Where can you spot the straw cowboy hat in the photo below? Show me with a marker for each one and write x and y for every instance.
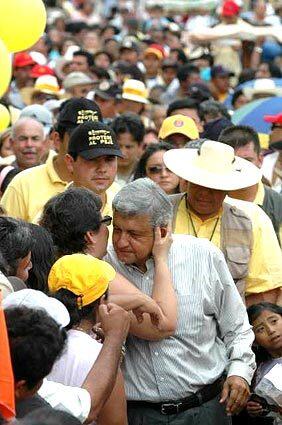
(214, 165)
(265, 86)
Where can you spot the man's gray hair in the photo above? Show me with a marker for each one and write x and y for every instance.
(24, 120)
(144, 197)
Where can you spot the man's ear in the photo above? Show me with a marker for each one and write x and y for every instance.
(260, 160)
(56, 140)
(21, 390)
(69, 162)
(163, 231)
(90, 237)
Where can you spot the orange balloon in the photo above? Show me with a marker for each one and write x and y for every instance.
(5, 67)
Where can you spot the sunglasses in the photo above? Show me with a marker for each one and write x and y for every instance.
(157, 169)
(107, 220)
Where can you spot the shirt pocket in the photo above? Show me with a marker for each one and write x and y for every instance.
(238, 258)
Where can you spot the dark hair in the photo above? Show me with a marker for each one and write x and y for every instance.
(36, 342)
(15, 242)
(181, 57)
(274, 70)
(133, 71)
(181, 104)
(69, 299)
(236, 95)
(103, 52)
(87, 55)
(9, 177)
(69, 215)
(247, 74)
(186, 70)
(49, 416)
(238, 136)
(253, 313)
(42, 258)
(129, 123)
(213, 108)
(100, 72)
(150, 150)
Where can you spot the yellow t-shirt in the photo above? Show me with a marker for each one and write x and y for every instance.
(265, 267)
(29, 191)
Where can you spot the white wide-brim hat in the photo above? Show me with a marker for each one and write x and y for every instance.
(39, 301)
(214, 165)
(263, 85)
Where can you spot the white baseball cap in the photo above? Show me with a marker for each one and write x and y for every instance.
(39, 301)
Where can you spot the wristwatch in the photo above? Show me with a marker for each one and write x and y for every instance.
(258, 49)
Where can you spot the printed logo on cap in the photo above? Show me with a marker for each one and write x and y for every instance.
(178, 123)
(86, 115)
(100, 137)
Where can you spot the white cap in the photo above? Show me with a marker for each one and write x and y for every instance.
(39, 301)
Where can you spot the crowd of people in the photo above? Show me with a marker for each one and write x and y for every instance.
(140, 219)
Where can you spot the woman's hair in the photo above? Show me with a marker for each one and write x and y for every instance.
(150, 150)
(253, 312)
(70, 301)
(42, 258)
(15, 242)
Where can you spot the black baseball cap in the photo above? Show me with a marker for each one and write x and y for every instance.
(93, 139)
(76, 111)
(221, 71)
(108, 90)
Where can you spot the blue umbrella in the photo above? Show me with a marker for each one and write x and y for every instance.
(252, 114)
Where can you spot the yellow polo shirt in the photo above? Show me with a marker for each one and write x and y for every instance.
(265, 267)
(260, 194)
(29, 191)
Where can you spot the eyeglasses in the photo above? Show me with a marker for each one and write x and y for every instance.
(107, 220)
(157, 169)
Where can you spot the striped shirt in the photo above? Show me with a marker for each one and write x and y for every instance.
(213, 332)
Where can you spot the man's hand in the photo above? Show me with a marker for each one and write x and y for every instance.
(114, 320)
(254, 408)
(162, 244)
(151, 307)
(235, 394)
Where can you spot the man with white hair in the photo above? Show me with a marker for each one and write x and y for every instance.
(28, 143)
(187, 377)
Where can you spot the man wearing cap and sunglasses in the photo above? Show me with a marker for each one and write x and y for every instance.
(238, 228)
(28, 193)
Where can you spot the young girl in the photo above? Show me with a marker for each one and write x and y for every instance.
(266, 319)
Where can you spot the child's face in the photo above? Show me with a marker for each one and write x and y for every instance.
(268, 332)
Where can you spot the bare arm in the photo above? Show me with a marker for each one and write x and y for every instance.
(114, 410)
(102, 377)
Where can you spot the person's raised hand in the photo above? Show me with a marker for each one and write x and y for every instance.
(162, 244)
(115, 321)
(235, 394)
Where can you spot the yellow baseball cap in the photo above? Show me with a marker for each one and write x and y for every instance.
(179, 124)
(84, 275)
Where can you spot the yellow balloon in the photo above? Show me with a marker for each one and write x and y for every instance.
(4, 117)
(5, 68)
(22, 22)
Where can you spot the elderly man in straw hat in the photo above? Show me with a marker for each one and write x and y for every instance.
(238, 228)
